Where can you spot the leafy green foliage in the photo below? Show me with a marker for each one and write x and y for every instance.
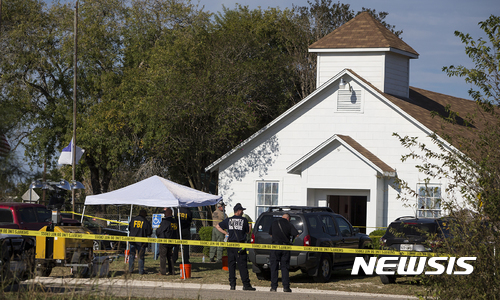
(375, 236)
(206, 235)
(486, 58)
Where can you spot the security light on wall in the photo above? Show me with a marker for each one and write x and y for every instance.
(342, 83)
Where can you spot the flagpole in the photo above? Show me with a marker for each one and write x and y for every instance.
(73, 145)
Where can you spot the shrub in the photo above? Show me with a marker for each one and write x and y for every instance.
(375, 236)
(206, 235)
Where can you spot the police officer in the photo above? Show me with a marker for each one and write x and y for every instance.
(186, 216)
(168, 230)
(237, 229)
(139, 227)
(281, 231)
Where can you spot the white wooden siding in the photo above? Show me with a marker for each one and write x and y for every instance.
(397, 75)
(268, 155)
(369, 65)
(389, 72)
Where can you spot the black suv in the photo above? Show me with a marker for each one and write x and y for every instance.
(318, 227)
(413, 234)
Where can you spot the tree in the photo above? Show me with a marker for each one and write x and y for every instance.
(37, 82)
(23, 25)
(472, 169)
(485, 55)
(212, 87)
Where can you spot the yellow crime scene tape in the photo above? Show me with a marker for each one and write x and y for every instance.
(94, 217)
(207, 220)
(84, 236)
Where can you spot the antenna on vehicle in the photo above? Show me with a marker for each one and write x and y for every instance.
(415, 212)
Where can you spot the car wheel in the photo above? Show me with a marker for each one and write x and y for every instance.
(83, 271)
(387, 279)
(324, 269)
(29, 260)
(4, 270)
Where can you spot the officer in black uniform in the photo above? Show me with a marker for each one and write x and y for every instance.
(168, 230)
(237, 228)
(139, 227)
(281, 231)
(186, 216)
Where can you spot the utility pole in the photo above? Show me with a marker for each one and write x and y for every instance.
(73, 145)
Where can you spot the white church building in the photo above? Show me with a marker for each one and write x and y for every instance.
(337, 147)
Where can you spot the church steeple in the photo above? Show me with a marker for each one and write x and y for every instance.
(370, 49)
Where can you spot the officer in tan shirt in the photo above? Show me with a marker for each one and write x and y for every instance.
(218, 215)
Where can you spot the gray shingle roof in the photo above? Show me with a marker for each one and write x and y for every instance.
(363, 31)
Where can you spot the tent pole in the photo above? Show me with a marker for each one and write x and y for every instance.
(180, 235)
(83, 213)
(129, 219)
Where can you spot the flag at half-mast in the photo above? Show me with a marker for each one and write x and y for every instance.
(66, 157)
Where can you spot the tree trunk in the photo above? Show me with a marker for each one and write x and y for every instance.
(98, 187)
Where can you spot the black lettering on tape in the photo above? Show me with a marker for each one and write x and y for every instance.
(210, 243)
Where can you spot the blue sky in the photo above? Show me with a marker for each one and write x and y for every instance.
(428, 27)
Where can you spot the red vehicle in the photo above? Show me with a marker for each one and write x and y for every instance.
(28, 216)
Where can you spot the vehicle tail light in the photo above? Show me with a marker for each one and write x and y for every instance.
(383, 242)
(252, 239)
(435, 244)
(307, 240)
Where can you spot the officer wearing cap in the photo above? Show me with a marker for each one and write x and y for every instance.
(139, 227)
(237, 229)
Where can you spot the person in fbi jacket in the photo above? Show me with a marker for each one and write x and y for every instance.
(168, 230)
(186, 216)
(139, 227)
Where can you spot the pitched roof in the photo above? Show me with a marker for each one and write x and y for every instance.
(363, 31)
(353, 146)
(386, 170)
(430, 107)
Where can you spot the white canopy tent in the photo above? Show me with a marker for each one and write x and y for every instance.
(154, 191)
